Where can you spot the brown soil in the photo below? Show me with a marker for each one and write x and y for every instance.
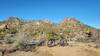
(78, 50)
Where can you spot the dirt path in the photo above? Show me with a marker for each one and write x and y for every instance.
(80, 50)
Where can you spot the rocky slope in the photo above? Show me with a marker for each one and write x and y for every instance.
(20, 35)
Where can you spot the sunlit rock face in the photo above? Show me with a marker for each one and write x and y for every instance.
(2, 26)
(67, 19)
(71, 22)
(13, 22)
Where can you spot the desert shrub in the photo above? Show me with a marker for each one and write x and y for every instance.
(4, 32)
(24, 41)
(9, 38)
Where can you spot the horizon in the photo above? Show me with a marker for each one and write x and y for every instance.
(87, 11)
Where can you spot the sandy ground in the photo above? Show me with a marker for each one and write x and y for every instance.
(78, 50)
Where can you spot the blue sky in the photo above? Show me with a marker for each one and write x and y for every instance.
(87, 11)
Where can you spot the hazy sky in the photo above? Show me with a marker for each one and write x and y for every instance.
(87, 11)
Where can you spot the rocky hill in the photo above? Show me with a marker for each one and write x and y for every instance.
(18, 34)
